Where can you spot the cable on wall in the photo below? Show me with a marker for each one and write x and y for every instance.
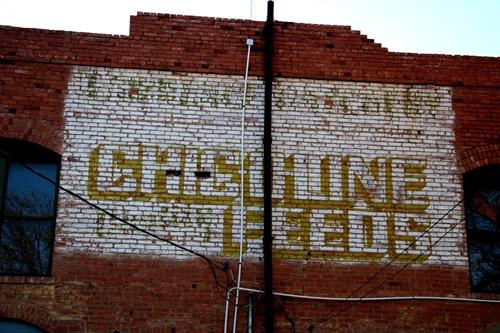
(406, 249)
(225, 266)
(353, 301)
(249, 44)
(212, 264)
(326, 317)
(372, 299)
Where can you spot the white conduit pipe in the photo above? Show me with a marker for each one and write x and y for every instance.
(375, 299)
(226, 313)
(242, 177)
(368, 299)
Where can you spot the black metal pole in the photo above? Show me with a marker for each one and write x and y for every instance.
(268, 172)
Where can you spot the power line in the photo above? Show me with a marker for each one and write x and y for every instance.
(212, 264)
(406, 249)
(225, 266)
(355, 301)
(408, 263)
(327, 316)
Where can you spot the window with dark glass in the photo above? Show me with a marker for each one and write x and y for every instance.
(482, 209)
(27, 208)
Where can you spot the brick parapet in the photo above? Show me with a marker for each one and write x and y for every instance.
(214, 45)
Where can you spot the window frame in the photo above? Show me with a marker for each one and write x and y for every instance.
(41, 155)
(472, 183)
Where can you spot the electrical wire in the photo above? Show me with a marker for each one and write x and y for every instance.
(325, 318)
(372, 299)
(355, 301)
(363, 298)
(224, 267)
(406, 249)
(366, 299)
(212, 264)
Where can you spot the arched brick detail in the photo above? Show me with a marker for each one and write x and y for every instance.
(28, 313)
(34, 131)
(43, 318)
(479, 156)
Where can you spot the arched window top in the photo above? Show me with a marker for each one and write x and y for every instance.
(18, 326)
(484, 176)
(24, 151)
(482, 208)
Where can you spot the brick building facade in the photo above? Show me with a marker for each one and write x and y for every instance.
(370, 149)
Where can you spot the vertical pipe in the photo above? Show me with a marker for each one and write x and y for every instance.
(242, 184)
(268, 173)
(250, 313)
(226, 312)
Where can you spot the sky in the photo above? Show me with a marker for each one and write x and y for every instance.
(464, 27)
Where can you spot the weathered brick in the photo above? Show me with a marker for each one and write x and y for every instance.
(369, 149)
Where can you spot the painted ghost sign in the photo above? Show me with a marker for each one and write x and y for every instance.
(360, 170)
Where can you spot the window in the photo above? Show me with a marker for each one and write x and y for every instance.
(482, 209)
(27, 208)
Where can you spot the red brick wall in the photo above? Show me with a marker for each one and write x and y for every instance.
(138, 294)
(127, 294)
(32, 97)
(477, 125)
(207, 45)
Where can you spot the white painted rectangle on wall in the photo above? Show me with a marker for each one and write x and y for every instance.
(361, 170)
